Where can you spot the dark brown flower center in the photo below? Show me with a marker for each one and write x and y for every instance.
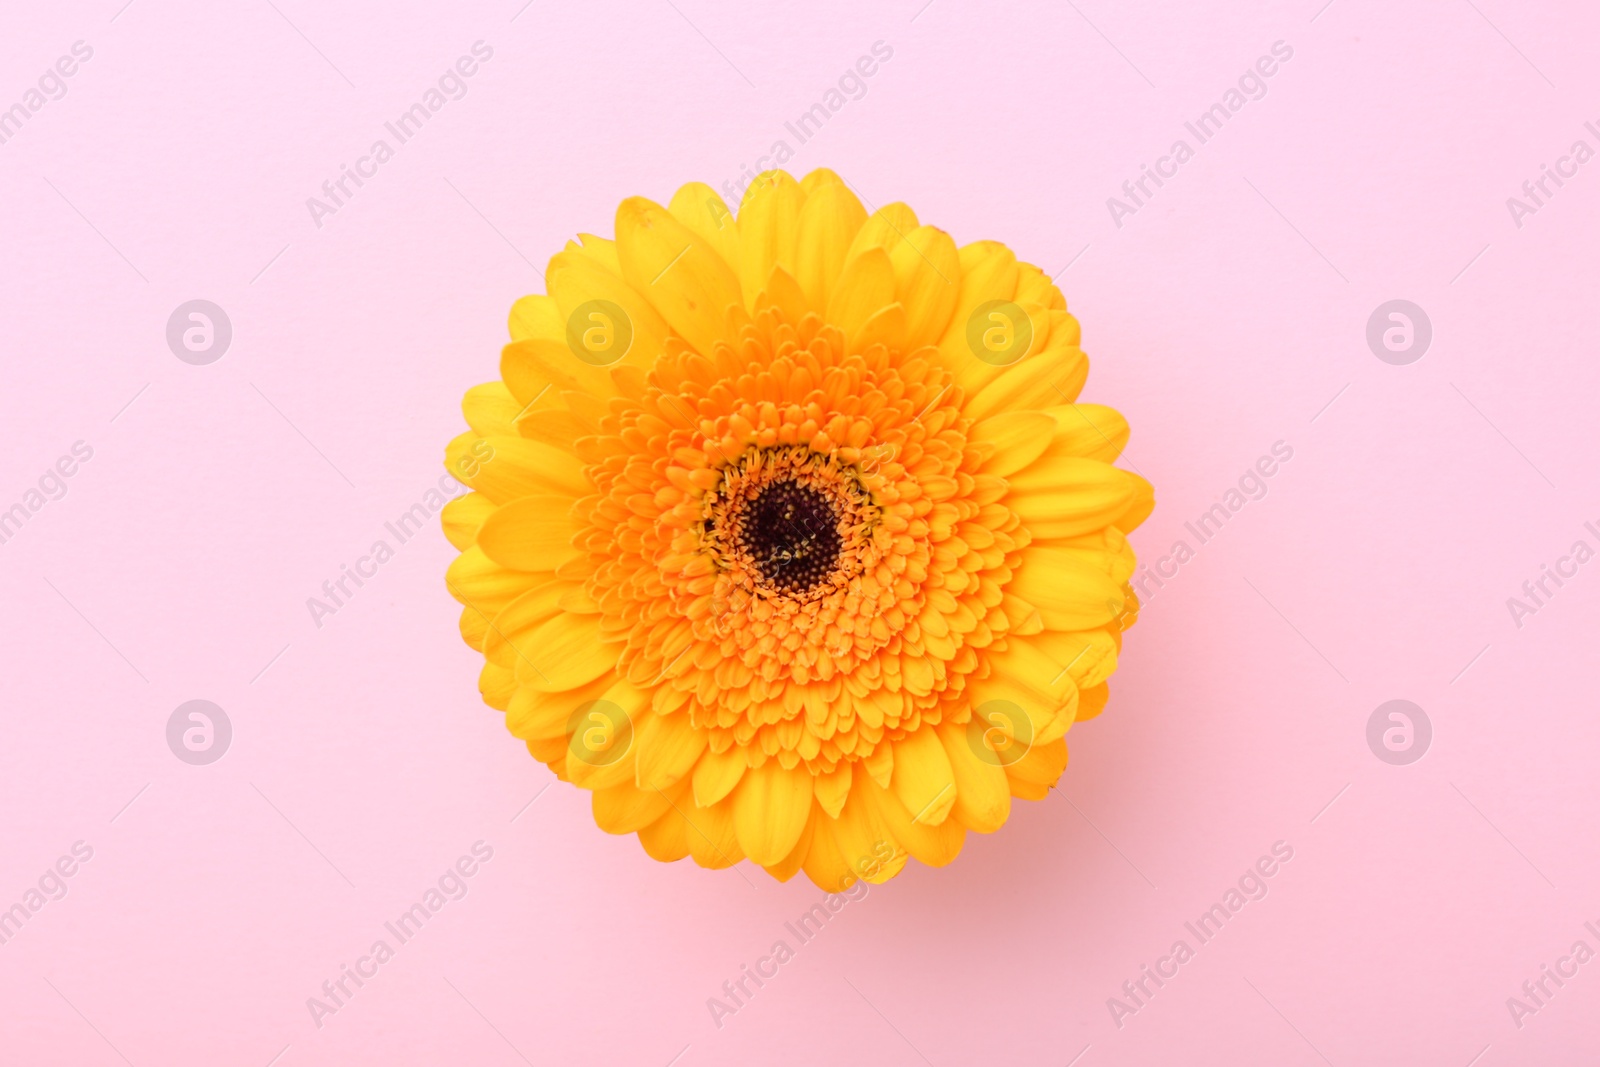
(787, 526)
(790, 532)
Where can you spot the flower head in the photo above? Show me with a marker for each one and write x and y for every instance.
(787, 537)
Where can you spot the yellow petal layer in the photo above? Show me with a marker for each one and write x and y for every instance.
(829, 222)
(983, 800)
(922, 778)
(770, 810)
(533, 533)
(678, 271)
(565, 653)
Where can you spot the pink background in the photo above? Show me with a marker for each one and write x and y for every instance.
(1222, 317)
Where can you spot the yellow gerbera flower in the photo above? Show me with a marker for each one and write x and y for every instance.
(787, 538)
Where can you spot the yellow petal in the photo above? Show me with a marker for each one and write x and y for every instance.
(927, 274)
(536, 316)
(1026, 699)
(536, 716)
(603, 747)
(1032, 776)
(1043, 665)
(462, 516)
(555, 426)
(933, 845)
(1139, 509)
(825, 863)
(988, 273)
(999, 336)
(505, 468)
(1018, 437)
(852, 848)
(880, 765)
(922, 777)
(884, 228)
(1092, 431)
(865, 288)
(1023, 616)
(819, 178)
(787, 867)
(576, 599)
(552, 753)
(1123, 560)
(681, 274)
(583, 289)
(474, 627)
(1052, 377)
(832, 789)
(464, 455)
(667, 839)
(512, 628)
(1089, 657)
(770, 810)
(1107, 550)
(698, 207)
(1068, 496)
(497, 685)
(490, 409)
(783, 293)
(479, 582)
(1069, 593)
(712, 840)
(1091, 702)
(716, 774)
(588, 409)
(566, 652)
(538, 370)
(669, 748)
(626, 809)
(887, 327)
(1035, 287)
(829, 222)
(600, 250)
(769, 228)
(533, 533)
(598, 776)
(865, 839)
(983, 799)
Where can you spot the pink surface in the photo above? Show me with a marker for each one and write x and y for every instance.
(1227, 313)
